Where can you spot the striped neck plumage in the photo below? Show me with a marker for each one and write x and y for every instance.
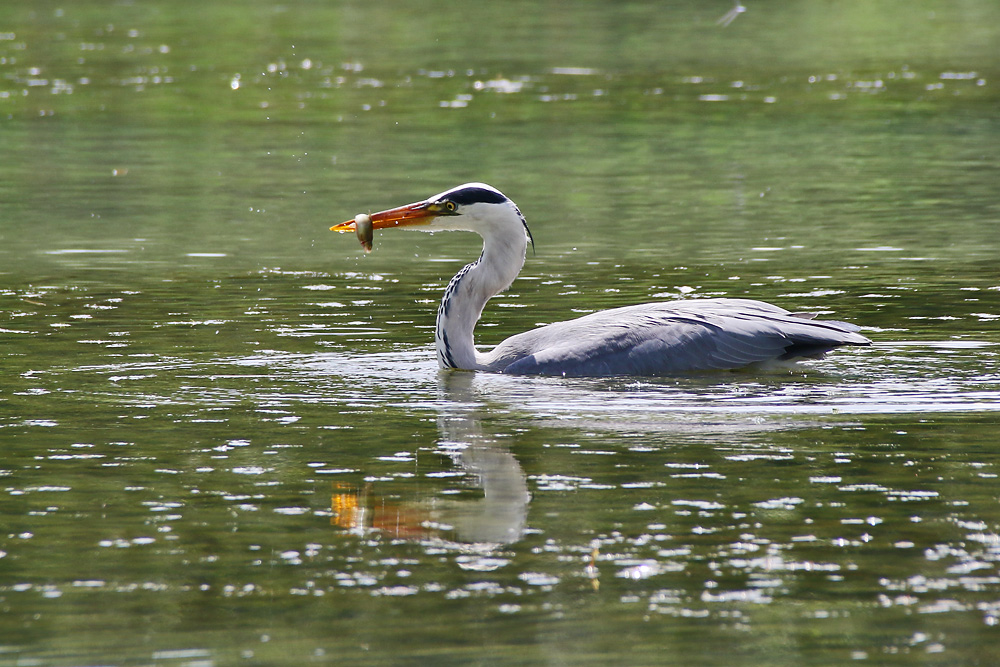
(450, 336)
(468, 292)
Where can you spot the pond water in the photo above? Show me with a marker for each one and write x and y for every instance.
(225, 437)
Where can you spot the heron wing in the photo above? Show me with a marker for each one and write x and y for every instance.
(674, 337)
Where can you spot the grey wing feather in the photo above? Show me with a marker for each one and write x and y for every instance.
(676, 337)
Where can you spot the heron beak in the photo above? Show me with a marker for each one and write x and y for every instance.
(420, 213)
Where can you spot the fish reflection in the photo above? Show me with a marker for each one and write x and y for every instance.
(499, 517)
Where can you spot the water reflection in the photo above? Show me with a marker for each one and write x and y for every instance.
(497, 518)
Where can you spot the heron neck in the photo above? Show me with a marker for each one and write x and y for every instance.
(466, 296)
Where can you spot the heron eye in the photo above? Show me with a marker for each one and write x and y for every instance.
(451, 206)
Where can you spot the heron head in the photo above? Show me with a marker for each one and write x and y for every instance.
(473, 207)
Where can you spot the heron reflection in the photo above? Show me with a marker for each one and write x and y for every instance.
(498, 517)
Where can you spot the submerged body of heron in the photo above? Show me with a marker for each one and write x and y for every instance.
(649, 339)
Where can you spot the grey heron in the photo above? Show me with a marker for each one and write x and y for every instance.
(648, 339)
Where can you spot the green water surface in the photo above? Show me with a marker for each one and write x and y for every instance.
(223, 435)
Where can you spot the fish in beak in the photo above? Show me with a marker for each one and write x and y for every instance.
(419, 213)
